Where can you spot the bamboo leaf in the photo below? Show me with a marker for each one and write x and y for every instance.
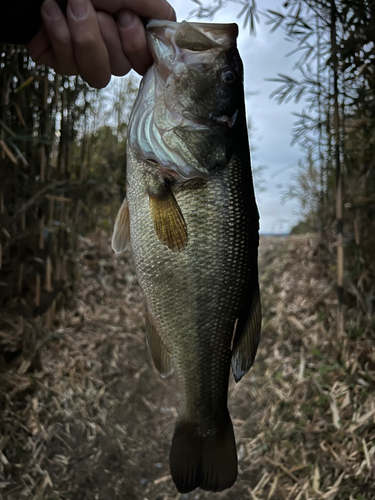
(25, 84)
(8, 152)
(19, 154)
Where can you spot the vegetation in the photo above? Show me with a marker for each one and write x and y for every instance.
(62, 151)
(335, 183)
(337, 49)
(82, 415)
(94, 419)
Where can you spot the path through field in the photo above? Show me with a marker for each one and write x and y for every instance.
(100, 421)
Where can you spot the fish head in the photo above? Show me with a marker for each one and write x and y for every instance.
(186, 114)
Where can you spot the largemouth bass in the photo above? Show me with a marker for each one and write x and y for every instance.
(194, 228)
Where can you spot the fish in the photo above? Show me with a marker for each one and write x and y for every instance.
(192, 220)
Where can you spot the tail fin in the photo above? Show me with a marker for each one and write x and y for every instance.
(203, 459)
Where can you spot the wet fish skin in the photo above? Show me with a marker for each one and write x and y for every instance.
(194, 236)
(181, 120)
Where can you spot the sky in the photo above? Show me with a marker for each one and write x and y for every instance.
(264, 55)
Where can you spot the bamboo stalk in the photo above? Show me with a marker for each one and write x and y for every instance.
(8, 152)
(37, 290)
(51, 210)
(54, 146)
(19, 114)
(62, 216)
(49, 274)
(20, 278)
(69, 162)
(339, 180)
(77, 215)
(320, 136)
(45, 92)
(64, 268)
(42, 163)
(356, 228)
(41, 233)
(51, 310)
(51, 315)
(63, 136)
(5, 232)
(23, 221)
(57, 269)
(1, 212)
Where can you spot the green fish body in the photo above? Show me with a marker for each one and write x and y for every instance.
(194, 236)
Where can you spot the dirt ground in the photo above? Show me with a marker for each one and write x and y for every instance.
(89, 418)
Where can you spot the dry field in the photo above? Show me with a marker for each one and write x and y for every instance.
(84, 415)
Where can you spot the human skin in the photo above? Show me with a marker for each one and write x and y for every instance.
(96, 38)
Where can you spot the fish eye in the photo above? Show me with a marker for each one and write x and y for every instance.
(228, 77)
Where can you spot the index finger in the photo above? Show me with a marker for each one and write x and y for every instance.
(149, 9)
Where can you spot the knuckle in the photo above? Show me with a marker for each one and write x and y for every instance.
(84, 39)
(134, 44)
(64, 39)
(103, 17)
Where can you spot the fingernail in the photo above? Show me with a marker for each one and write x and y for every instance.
(51, 9)
(79, 8)
(125, 18)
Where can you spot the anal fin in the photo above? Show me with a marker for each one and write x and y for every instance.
(169, 223)
(121, 231)
(246, 338)
(159, 353)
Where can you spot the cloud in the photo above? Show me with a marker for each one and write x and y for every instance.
(264, 56)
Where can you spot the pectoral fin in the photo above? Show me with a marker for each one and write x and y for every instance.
(169, 223)
(121, 232)
(246, 339)
(160, 354)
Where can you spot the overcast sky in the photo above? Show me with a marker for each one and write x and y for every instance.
(264, 55)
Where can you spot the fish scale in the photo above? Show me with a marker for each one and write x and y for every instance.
(194, 237)
(210, 277)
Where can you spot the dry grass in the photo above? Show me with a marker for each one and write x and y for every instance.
(85, 416)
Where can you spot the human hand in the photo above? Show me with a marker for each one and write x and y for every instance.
(97, 38)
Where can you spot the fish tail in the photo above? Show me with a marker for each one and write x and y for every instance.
(205, 459)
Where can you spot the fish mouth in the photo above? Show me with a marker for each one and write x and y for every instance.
(172, 43)
(195, 37)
